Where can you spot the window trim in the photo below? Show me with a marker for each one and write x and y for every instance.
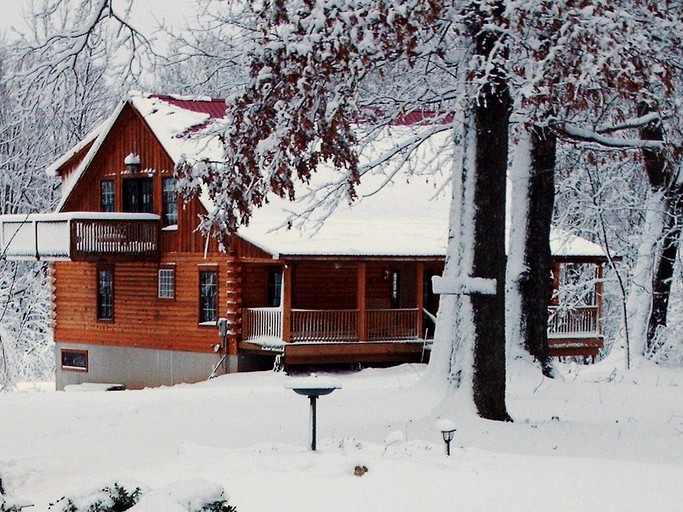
(102, 268)
(166, 268)
(72, 368)
(207, 270)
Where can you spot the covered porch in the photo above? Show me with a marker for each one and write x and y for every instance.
(339, 311)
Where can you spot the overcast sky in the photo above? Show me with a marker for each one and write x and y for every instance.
(172, 12)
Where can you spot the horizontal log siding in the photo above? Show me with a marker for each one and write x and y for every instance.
(140, 318)
(255, 281)
(321, 286)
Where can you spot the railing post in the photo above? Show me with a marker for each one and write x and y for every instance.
(287, 276)
(419, 290)
(361, 303)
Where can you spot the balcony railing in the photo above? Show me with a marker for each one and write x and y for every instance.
(80, 236)
(110, 237)
(571, 322)
(340, 325)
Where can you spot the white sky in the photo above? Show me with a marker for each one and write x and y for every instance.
(145, 12)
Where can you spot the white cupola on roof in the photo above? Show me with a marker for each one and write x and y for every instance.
(132, 163)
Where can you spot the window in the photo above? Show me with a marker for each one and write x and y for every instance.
(169, 205)
(208, 296)
(137, 195)
(107, 196)
(75, 360)
(105, 293)
(274, 288)
(166, 283)
(395, 289)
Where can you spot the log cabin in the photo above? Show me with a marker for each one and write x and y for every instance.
(143, 298)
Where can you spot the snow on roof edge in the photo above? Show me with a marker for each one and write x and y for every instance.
(51, 170)
(103, 131)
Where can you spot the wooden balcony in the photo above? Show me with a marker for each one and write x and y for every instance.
(81, 236)
(574, 332)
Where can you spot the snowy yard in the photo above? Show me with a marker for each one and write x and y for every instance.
(588, 443)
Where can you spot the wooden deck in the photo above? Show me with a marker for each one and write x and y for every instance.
(81, 236)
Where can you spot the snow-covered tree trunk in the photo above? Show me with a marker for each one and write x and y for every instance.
(529, 256)
(648, 302)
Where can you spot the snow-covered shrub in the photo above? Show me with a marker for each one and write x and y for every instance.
(116, 497)
(195, 495)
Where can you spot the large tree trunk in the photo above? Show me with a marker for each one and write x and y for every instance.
(664, 265)
(491, 122)
(662, 180)
(535, 287)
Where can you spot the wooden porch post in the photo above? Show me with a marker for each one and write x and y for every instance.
(360, 302)
(598, 294)
(419, 290)
(287, 303)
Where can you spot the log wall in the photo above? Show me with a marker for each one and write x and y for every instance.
(141, 319)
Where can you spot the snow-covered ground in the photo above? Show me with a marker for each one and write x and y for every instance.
(587, 443)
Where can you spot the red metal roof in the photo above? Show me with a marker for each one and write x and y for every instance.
(214, 107)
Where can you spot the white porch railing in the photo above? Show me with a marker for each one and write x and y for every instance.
(262, 323)
(339, 325)
(570, 322)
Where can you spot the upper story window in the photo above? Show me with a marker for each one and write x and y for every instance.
(138, 195)
(105, 293)
(107, 196)
(208, 296)
(169, 197)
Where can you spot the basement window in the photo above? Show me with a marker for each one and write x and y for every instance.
(75, 360)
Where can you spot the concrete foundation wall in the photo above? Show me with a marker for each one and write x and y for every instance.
(138, 368)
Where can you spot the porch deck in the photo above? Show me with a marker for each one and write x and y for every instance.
(388, 335)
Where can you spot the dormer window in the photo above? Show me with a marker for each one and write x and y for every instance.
(138, 195)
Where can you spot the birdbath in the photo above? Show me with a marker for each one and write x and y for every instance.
(313, 387)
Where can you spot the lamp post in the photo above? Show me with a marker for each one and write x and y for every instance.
(447, 428)
(313, 387)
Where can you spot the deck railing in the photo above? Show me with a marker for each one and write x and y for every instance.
(566, 322)
(387, 324)
(262, 323)
(324, 325)
(392, 324)
(115, 237)
(338, 325)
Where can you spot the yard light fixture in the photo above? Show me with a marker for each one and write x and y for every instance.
(447, 428)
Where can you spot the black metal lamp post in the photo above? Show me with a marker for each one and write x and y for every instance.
(447, 428)
(312, 387)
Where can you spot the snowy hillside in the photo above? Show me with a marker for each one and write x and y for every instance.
(589, 443)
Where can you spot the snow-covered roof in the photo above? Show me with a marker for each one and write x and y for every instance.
(392, 216)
